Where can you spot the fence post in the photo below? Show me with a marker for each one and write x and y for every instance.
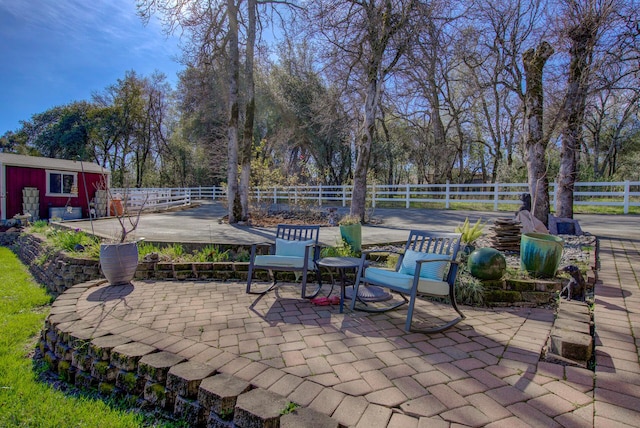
(407, 196)
(373, 195)
(446, 195)
(496, 196)
(627, 191)
(275, 195)
(344, 195)
(320, 195)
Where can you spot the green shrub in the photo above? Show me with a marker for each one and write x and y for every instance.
(39, 226)
(211, 253)
(343, 249)
(469, 289)
(68, 240)
(242, 256)
(173, 252)
(145, 248)
(470, 233)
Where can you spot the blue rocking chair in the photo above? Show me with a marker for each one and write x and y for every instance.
(428, 267)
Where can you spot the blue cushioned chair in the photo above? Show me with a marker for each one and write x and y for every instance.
(296, 249)
(428, 266)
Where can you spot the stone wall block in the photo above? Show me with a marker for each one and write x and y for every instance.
(189, 410)
(130, 382)
(155, 367)
(156, 394)
(103, 371)
(101, 347)
(184, 379)
(81, 360)
(305, 417)
(126, 357)
(259, 408)
(219, 393)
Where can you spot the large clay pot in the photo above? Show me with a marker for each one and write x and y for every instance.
(119, 262)
(352, 234)
(540, 254)
(487, 263)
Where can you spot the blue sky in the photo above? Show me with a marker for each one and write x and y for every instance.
(53, 52)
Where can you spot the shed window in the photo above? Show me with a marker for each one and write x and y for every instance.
(61, 183)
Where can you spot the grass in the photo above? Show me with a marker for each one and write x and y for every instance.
(24, 400)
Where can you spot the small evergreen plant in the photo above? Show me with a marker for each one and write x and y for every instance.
(470, 233)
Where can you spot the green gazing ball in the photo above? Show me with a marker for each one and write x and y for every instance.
(487, 263)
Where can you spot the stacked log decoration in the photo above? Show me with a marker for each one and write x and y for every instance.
(506, 235)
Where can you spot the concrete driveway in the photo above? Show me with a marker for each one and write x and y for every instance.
(201, 225)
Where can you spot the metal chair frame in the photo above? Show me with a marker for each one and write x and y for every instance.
(290, 233)
(444, 243)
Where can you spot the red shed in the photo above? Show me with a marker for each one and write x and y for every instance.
(43, 185)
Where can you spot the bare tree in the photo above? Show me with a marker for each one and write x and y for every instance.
(428, 70)
(213, 28)
(367, 38)
(534, 61)
(501, 30)
(584, 22)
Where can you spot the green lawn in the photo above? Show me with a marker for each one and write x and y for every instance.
(24, 400)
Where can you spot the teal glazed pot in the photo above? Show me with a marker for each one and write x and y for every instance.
(486, 263)
(540, 254)
(352, 234)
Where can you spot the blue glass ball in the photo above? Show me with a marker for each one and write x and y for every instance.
(487, 263)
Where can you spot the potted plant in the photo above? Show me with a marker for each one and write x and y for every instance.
(470, 234)
(119, 259)
(351, 231)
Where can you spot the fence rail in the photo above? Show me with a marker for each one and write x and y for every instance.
(149, 199)
(623, 194)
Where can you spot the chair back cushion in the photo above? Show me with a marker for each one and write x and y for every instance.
(432, 270)
(292, 248)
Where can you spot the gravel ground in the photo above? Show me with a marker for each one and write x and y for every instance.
(577, 250)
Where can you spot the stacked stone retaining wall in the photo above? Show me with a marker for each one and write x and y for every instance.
(58, 271)
(201, 394)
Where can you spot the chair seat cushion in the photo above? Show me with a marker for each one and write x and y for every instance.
(282, 261)
(431, 270)
(403, 282)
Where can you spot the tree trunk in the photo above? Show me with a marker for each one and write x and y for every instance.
(247, 135)
(583, 37)
(359, 196)
(232, 127)
(536, 143)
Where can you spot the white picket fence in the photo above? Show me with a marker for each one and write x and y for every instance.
(498, 196)
(149, 199)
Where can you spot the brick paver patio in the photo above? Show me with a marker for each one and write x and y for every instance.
(365, 371)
